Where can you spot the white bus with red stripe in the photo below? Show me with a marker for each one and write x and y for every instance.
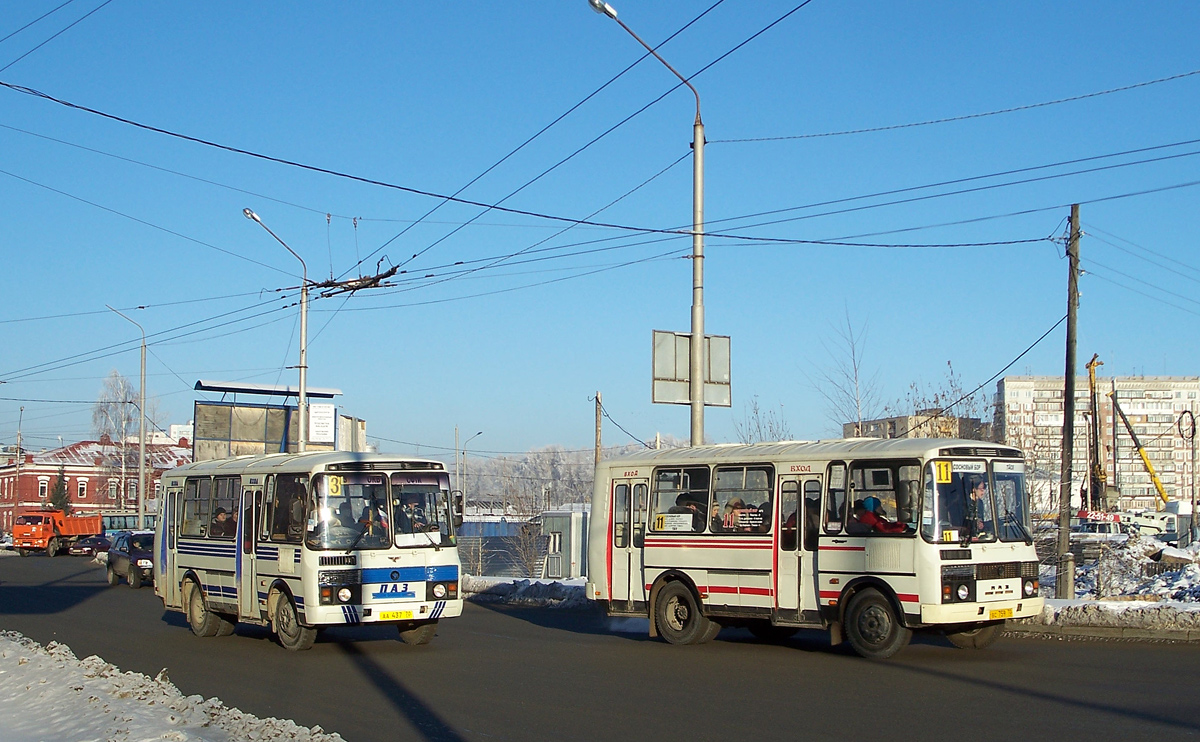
(774, 537)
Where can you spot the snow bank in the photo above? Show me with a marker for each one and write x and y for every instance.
(48, 695)
(540, 593)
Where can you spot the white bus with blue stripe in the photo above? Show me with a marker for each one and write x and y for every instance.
(301, 542)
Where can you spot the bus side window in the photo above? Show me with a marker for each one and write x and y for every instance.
(835, 499)
(812, 513)
(620, 516)
(287, 520)
(789, 515)
(196, 507)
(639, 514)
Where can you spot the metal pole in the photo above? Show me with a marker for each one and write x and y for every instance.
(696, 357)
(302, 404)
(141, 488)
(1195, 530)
(599, 408)
(1065, 577)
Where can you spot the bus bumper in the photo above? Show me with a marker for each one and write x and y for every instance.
(327, 615)
(960, 613)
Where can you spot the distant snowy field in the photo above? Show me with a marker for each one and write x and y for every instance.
(46, 694)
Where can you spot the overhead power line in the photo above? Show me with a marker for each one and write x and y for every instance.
(964, 117)
(56, 35)
(35, 20)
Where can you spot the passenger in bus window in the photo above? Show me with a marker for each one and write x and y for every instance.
(220, 524)
(873, 515)
(687, 504)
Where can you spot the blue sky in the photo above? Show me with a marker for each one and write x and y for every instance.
(428, 96)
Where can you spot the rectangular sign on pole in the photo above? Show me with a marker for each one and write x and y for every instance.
(671, 365)
(321, 423)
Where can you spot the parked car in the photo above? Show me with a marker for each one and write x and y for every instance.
(6, 541)
(1102, 532)
(131, 556)
(90, 546)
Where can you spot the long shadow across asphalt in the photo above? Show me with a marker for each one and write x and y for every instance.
(20, 595)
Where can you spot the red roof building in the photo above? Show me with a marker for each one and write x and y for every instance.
(94, 474)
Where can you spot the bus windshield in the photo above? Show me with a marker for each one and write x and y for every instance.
(958, 504)
(349, 511)
(421, 508)
(1012, 506)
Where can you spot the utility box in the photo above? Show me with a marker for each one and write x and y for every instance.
(566, 534)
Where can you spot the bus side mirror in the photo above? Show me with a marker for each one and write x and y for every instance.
(458, 509)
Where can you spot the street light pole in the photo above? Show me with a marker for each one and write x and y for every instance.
(302, 404)
(464, 463)
(141, 490)
(696, 358)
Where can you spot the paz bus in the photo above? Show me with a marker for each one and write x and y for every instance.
(774, 537)
(300, 542)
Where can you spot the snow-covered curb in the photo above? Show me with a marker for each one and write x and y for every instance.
(1128, 619)
(540, 593)
(48, 694)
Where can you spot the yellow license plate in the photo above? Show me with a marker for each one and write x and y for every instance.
(1000, 613)
(407, 615)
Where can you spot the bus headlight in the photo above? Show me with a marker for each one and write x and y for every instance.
(1030, 588)
(439, 591)
(344, 595)
(964, 592)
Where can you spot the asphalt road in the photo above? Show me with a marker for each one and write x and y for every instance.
(529, 674)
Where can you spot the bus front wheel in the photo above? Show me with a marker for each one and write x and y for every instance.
(678, 617)
(975, 637)
(872, 626)
(422, 633)
(291, 634)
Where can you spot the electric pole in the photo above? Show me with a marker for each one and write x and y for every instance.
(1064, 584)
(599, 408)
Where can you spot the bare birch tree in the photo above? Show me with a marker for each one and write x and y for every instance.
(760, 425)
(851, 393)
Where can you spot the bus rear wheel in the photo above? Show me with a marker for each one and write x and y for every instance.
(872, 626)
(678, 617)
(291, 634)
(417, 634)
(204, 622)
(975, 637)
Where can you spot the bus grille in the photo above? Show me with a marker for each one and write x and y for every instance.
(348, 560)
(1001, 571)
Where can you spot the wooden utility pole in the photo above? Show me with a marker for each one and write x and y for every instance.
(599, 412)
(1065, 577)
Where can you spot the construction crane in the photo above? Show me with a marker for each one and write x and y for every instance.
(1098, 480)
(1158, 485)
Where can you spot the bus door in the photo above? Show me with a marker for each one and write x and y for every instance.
(250, 507)
(796, 565)
(629, 501)
(167, 582)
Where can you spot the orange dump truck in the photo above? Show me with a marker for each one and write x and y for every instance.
(51, 531)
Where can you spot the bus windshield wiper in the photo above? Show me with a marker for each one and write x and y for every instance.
(359, 537)
(1012, 520)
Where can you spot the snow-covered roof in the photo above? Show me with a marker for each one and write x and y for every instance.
(89, 453)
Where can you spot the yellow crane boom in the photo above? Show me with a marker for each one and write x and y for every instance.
(1158, 485)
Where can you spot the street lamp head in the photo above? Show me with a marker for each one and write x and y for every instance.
(251, 215)
(603, 8)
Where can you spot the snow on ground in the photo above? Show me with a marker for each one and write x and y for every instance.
(48, 694)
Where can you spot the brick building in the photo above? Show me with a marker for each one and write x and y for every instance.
(94, 475)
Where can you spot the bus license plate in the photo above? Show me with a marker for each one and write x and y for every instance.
(407, 615)
(1000, 613)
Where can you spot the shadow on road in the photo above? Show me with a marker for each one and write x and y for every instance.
(1078, 704)
(423, 718)
(52, 596)
(578, 621)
